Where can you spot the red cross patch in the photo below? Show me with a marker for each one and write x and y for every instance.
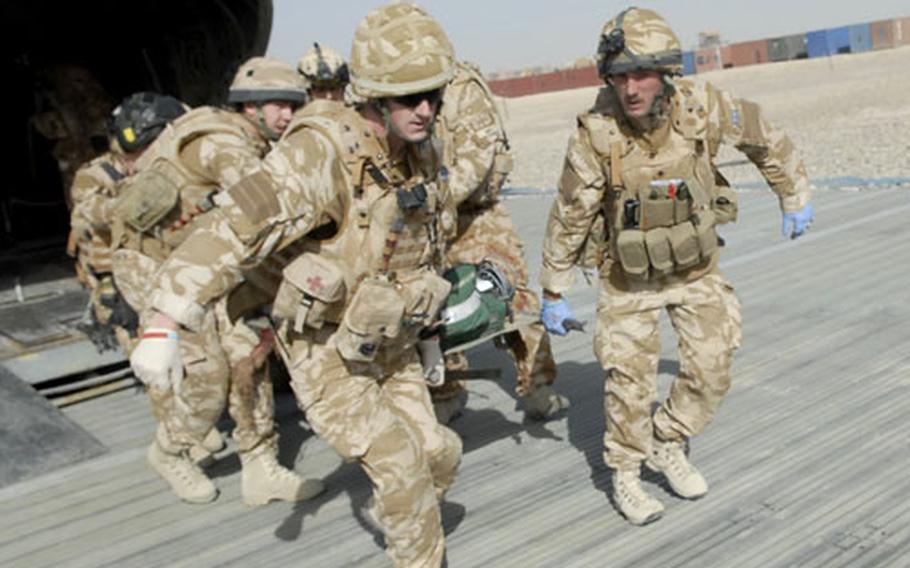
(314, 284)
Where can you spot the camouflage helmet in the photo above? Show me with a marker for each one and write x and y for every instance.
(261, 79)
(398, 50)
(141, 117)
(638, 40)
(323, 68)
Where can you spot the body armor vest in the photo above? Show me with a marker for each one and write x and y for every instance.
(377, 275)
(157, 207)
(663, 199)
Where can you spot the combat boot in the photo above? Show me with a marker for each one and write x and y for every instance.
(635, 504)
(670, 459)
(544, 403)
(203, 453)
(263, 479)
(185, 477)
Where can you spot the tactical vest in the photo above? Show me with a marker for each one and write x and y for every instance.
(487, 193)
(377, 275)
(156, 209)
(95, 252)
(662, 202)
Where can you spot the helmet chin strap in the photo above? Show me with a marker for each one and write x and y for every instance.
(266, 132)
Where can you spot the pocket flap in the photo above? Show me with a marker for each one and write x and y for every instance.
(317, 277)
(376, 308)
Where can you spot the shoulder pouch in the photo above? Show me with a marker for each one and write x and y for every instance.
(146, 200)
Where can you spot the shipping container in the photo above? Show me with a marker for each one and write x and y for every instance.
(561, 80)
(787, 48)
(902, 31)
(882, 34)
(859, 38)
(822, 43)
(712, 58)
(688, 63)
(748, 53)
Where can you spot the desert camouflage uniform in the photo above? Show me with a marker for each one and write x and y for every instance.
(94, 191)
(329, 167)
(476, 154)
(702, 306)
(203, 151)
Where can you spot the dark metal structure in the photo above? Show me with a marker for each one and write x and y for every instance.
(66, 64)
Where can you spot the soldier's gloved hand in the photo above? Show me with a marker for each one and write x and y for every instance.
(798, 222)
(156, 359)
(554, 314)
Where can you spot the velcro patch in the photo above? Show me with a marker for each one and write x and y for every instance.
(256, 197)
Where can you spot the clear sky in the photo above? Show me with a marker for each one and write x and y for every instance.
(506, 35)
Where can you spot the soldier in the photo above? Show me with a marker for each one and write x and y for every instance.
(135, 123)
(199, 154)
(354, 312)
(326, 72)
(643, 159)
(476, 154)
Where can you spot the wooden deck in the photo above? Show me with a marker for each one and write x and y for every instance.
(807, 460)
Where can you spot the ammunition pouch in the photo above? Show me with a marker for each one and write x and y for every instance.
(147, 199)
(665, 229)
(311, 292)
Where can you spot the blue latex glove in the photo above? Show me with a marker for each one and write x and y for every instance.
(554, 314)
(797, 223)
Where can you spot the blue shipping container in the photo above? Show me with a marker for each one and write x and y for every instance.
(839, 40)
(688, 63)
(817, 43)
(860, 38)
(822, 43)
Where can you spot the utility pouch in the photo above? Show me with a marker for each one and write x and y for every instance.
(725, 204)
(657, 241)
(423, 294)
(312, 292)
(657, 212)
(684, 245)
(146, 200)
(704, 229)
(373, 316)
(633, 254)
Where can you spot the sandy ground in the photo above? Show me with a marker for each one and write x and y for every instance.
(848, 115)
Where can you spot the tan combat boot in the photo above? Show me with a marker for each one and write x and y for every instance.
(633, 502)
(263, 479)
(203, 454)
(670, 459)
(185, 477)
(543, 403)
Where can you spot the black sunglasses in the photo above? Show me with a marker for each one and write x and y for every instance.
(415, 99)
